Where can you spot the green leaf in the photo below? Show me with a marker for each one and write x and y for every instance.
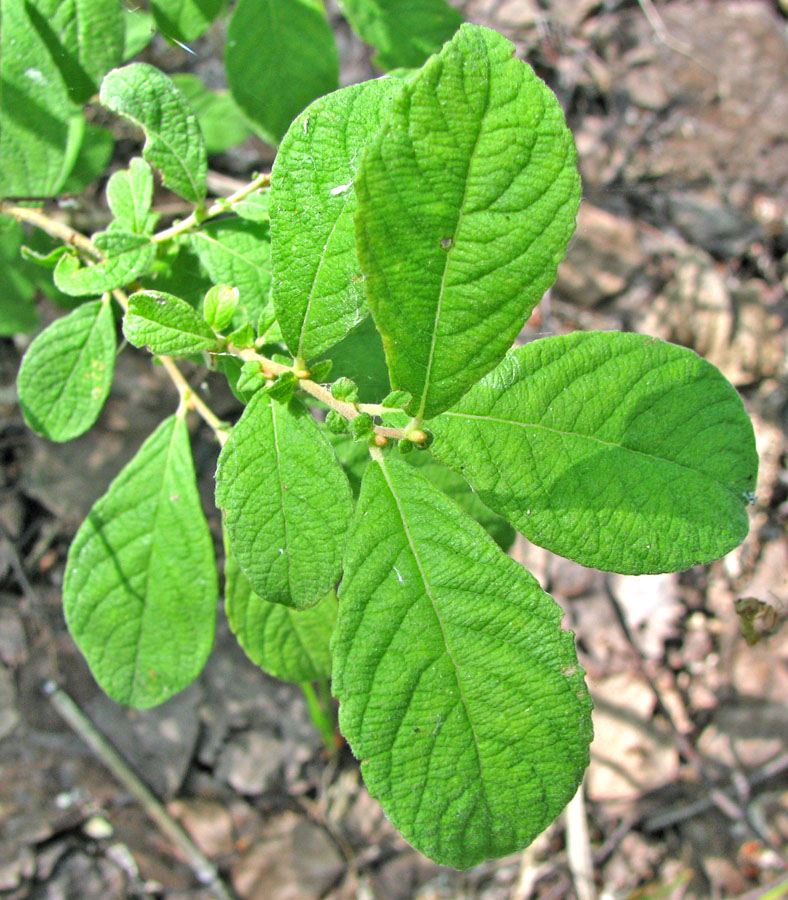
(17, 313)
(130, 195)
(359, 356)
(286, 643)
(126, 257)
(286, 502)
(39, 134)
(84, 37)
(95, 153)
(318, 289)
(140, 589)
(222, 123)
(616, 450)
(405, 32)
(280, 55)
(458, 689)
(466, 201)
(237, 252)
(167, 325)
(173, 140)
(254, 206)
(139, 29)
(185, 20)
(66, 373)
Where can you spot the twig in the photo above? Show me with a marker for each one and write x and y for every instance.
(578, 848)
(204, 870)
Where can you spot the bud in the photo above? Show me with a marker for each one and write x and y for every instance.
(220, 305)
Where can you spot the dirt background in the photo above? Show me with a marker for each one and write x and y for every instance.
(680, 114)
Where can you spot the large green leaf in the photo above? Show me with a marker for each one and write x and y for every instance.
(185, 20)
(318, 290)
(84, 37)
(286, 502)
(66, 373)
(458, 689)
(287, 643)
(126, 257)
(40, 132)
(405, 32)
(140, 589)
(616, 450)
(237, 252)
(466, 201)
(166, 325)
(221, 122)
(280, 55)
(173, 140)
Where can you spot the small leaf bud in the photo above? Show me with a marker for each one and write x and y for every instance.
(251, 378)
(335, 423)
(242, 337)
(417, 436)
(344, 389)
(320, 370)
(405, 446)
(361, 427)
(380, 440)
(219, 306)
(283, 388)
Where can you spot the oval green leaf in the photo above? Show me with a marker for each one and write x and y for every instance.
(167, 325)
(458, 689)
(466, 201)
(280, 56)
(286, 502)
(616, 450)
(318, 289)
(66, 373)
(140, 589)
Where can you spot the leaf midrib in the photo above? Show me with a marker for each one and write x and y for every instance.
(429, 594)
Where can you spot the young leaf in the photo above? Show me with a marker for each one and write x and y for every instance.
(238, 253)
(140, 589)
(85, 39)
(405, 32)
(616, 450)
(126, 257)
(458, 689)
(173, 140)
(66, 373)
(185, 20)
(221, 122)
(130, 195)
(466, 201)
(167, 325)
(39, 135)
(280, 56)
(286, 502)
(317, 287)
(286, 643)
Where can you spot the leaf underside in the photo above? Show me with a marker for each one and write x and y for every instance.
(619, 451)
(458, 689)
